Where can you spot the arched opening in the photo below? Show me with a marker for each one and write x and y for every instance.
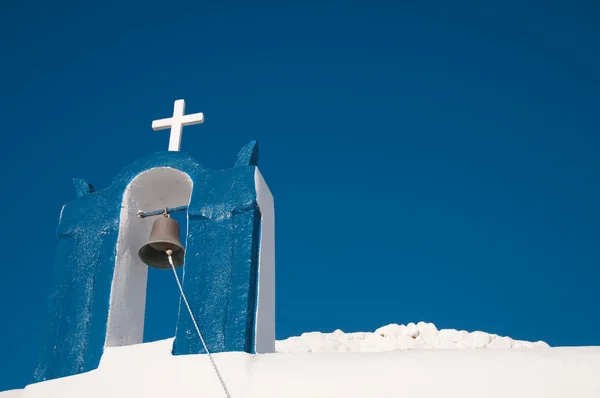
(152, 189)
(162, 295)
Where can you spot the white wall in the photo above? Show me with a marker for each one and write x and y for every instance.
(150, 371)
(265, 318)
(153, 189)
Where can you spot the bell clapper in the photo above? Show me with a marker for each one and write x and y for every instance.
(169, 254)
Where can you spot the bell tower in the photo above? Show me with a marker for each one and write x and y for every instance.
(108, 238)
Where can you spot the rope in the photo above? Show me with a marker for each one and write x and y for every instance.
(212, 361)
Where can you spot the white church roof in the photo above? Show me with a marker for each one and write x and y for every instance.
(403, 361)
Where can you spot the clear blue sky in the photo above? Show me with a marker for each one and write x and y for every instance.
(429, 161)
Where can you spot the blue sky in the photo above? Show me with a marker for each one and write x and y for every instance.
(429, 161)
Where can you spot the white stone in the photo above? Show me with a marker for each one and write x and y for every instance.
(429, 333)
(356, 336)
(406, 342)
(337, 333)
(411, 330)
(312, 336)
(176, 123)
(293, 345)
(500, 342)
(393, 330)
(482, 339)
(446, 344)
(375, 342)
(419, 343)
(378, 343)
(477, 340)
(540, 344)
(463, 344)
(450, 334)
(326, 345)
(353, 345)
(522, 344)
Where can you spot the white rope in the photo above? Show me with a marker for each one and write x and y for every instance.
(212, 361)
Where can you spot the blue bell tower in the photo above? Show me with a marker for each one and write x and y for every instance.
(99, 285)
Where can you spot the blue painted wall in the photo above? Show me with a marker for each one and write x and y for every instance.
(220, 271)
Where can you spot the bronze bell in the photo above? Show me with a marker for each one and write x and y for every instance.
(164, 236)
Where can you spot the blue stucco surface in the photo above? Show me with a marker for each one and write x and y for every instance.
(220, 270)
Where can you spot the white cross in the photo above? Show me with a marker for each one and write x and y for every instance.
(176, 124)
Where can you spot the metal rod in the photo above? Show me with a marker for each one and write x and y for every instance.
(144, 214)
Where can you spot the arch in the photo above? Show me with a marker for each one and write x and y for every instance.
(152, 189)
